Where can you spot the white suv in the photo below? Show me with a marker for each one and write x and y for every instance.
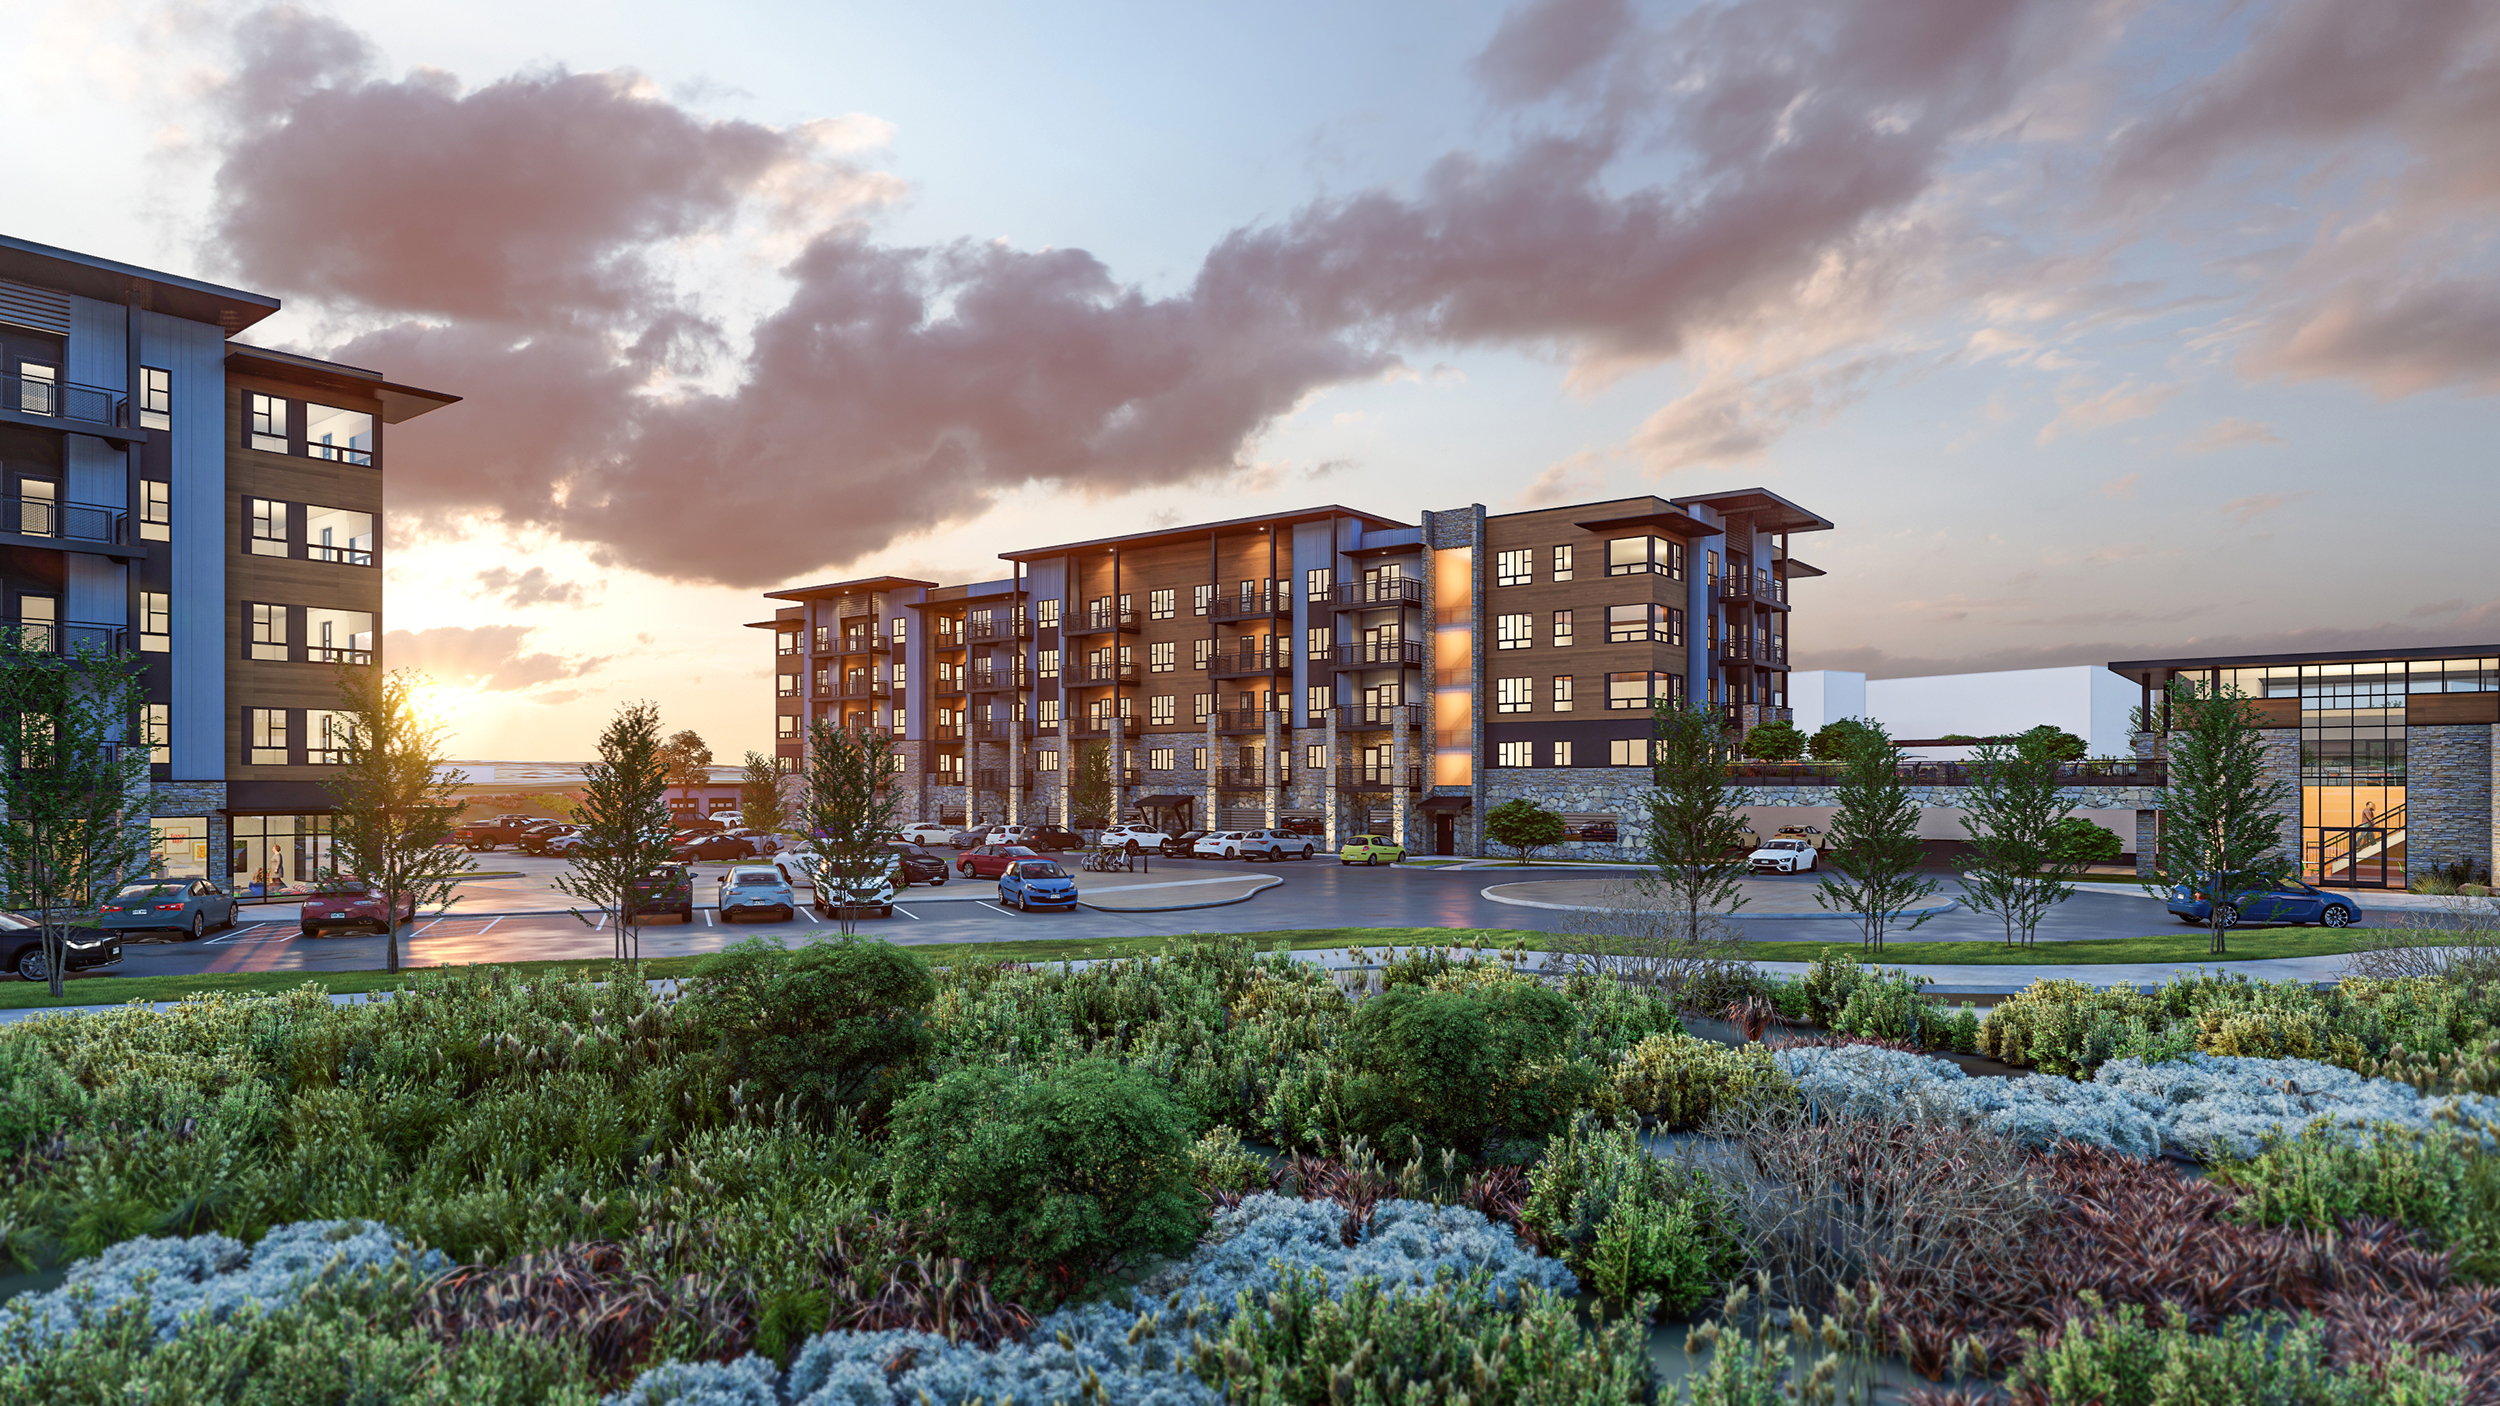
(1276, 845)
(1133, 837)
(927, 832)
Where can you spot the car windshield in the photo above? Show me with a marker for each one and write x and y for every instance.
(754, 878)
(1013, 849)
(1785, 844)
(149, 891)
(1041, 869)
(342, 886)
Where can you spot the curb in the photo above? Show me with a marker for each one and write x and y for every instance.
(1264, 885)
(1490, 896)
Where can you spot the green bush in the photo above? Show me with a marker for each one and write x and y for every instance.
(1877, 1003)
(1839, 739)
(1523, 827)
(1775, 741)
(1632, 1226)
(1463, 1069)
(1304, 1346)
(2079, 841)
(1218, 1163)
(1050, 1180)
(2441, 1182)
(1679, 1081)
(830, 1025)
(2259, 1359)
(2064, 1026)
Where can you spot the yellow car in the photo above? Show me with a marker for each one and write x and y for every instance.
(1371, 849)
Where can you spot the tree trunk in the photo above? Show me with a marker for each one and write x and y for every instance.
(390, 936)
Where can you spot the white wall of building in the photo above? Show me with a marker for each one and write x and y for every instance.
(1820, 696)
(2084, 699)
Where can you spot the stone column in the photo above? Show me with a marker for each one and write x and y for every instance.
(2283, 765)
(1015, 763)
(1328, 779)
(1215, 760)
(1275, 768)
(1397, 774)
(2448, 795)
(1119, 760)
(2147, 842)
(1067, 754)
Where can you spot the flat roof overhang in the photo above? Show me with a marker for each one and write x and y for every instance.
(1167, 536)
(1770, 512)
(110, 281)
(1798, 569)
(788, 626)
(1680, 524)
(399, 403)
(868, 585)
(2144, 670)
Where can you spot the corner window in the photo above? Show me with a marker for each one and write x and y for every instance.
(1645, 556)
(1516, 567)
(785, 728)
(343, 435)
(346, 637)
(339, 535)
(325, 737)
(1638, 690)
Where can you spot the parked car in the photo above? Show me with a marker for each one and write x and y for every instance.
(1050, 838)
(1807, 833)
(484, 835)
(990, 861)
(758, 842)
(21, 948)
(668, 889)
(1134, 836)
(871, 892)
(1276, 845)
(1218, 844)
(559, 845)
(1786, 855)
(1371, 849)
(926, 832)
(968, 839)
(188, 905)
(751, 889)
(349, 903)
(1006, 834)
(2290, 901)
(1303, 825)
(700, 824)
(539, 840)
(919, 866)
(1184, 844)
(1036, 883)
(719, 845)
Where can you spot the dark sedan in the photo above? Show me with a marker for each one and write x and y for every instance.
(713, 846)
(919, 866)
(1050, 838)
(2290, 901)
(21, 948)
(991, 861)
(1182, 845)
(966, 839)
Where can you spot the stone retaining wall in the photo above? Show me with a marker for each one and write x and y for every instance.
(2448, 795)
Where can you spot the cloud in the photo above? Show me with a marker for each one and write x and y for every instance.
(2122, 486)
(1582, 476)
(2398, 340)
(2229, 434)
(1724, 421)
(2120, 403)
(491, 657)
(532, 587)
(2257, 505)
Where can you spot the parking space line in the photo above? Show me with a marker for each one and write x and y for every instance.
(907, 912)
(985, 903)
(707, 916)
(490, 927)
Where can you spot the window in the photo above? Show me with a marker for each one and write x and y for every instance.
(1645, 556)
(901, 631)
(1713, 560)
(1562, 628)
(1128, 707)
(267, 731)
(1318, 582)
(824, 680)
(1317, 700)
(1514, 754)
(1046, 663)
(1199, 598)
(1046, 760)
(1639, 624)
(1201, 706)
(344, 435)
(1562, 563)
(787, 685)
(1125, 606)
(1562, 693)
(1047, 710)
(325, 737)
(1128, 658)
(1200, 650)
(1161, 758)
(1562, 750)
(343, 636)
(1045, 616)
(158, 719)
(268, 632)
(35, 393)
(1637, 690)
(1514, 695)
(156, 398)
(1516, 567)
(1159, 604)
(1163, 709)
(902, 675)
(345, 537)
(1319, 642)
(786, 728)
(1628, 751)
(268, 527)
(1514, 631)
(266, 421)
(1162, 657)
(156, 510)
(156, 621)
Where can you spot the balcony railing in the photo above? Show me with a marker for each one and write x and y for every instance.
(335, 654)
(946, 732)
(999, 778)
(1252, 605)
(866, 688)
(950, 683)
(1357, 777)
(994, 631)
(987, 677)
(2123, 772)
(1375, 595)
(1375, 715)
(1251, 778)
(1772, 651)
(76, 522)
(1250, 720)
(67, 400)
(999, 729)
(1748, 714)
(1381, 654)
(1226, 664)
(1759, 590)
(1111, 673)
(1734, 649)
(1102, 621)
(65, 637)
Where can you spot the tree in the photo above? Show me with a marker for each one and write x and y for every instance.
(1775, 741)
(2088, 844)
(1523, 826)
(762, 804)
(1091, 795)
(2013, 809)
(73, 781)
(392, 796)
(849, 807)
(689, 762)
(2061, 745)
(1837, 740)
(624, 820)
(2222, 821)
(1873, 866)
(1696, 832)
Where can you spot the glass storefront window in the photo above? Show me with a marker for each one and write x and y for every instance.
(279, 853)
(180, 846)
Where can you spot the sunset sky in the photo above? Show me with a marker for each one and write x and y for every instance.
(2100, 329)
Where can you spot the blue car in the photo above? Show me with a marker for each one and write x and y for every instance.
(193, 906)
(2290, 901)
(1036, 883)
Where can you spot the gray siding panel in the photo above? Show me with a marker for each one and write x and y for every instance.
(195, 353)
(98, 355)
(40, 308)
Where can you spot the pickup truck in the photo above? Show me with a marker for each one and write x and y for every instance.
(502, 830)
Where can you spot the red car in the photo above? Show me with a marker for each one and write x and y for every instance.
(349, 903)
(990, 861)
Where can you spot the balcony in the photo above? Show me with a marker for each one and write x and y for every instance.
(861, 644)
(1375, 595)
(1734, 649)
(999, 730)
(1254, 605)
(999, 778)
(989, 677)
(75, 527)
(1772, 652)
(946, 732)
(995, 631)
(1229, 664)
(2124, 772)
(66, 405)
(1380, 654)
(66, 637)
(1250, 720)
(1754, 590)
(949, 683)
(1102, 621)
(1251, 778)
(1356, 777)
(1089, 729)
(866, 688)
(1375, 715)
(1109, 673)
(333, 654)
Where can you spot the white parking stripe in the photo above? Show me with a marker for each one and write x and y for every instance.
(908, 913)
(490, 927)
(707, 917)
(985, 903)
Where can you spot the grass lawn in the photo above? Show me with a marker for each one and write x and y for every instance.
(2182, 946)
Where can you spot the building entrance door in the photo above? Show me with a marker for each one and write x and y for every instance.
(2356, 856)
(1444, 833)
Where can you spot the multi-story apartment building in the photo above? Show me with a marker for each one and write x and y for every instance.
(1326, 665)
(216, 508)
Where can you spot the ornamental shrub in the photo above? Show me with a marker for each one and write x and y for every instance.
(1050, 1179)
(1463, 1069)
(2063, 1026)
(2076, 840)
(2434, 1179)
(1633, 1227)
(1220, 1165)
(1678, 1080)
(829, 1025)
(2115, 1358)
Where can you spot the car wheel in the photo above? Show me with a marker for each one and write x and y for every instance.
(2336, 916)
(2230, 915)
(686, 914)
(885, 910)
(1132, 847)
(199, 926)
(307, 932)
(1371, 861)
(31, 966)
